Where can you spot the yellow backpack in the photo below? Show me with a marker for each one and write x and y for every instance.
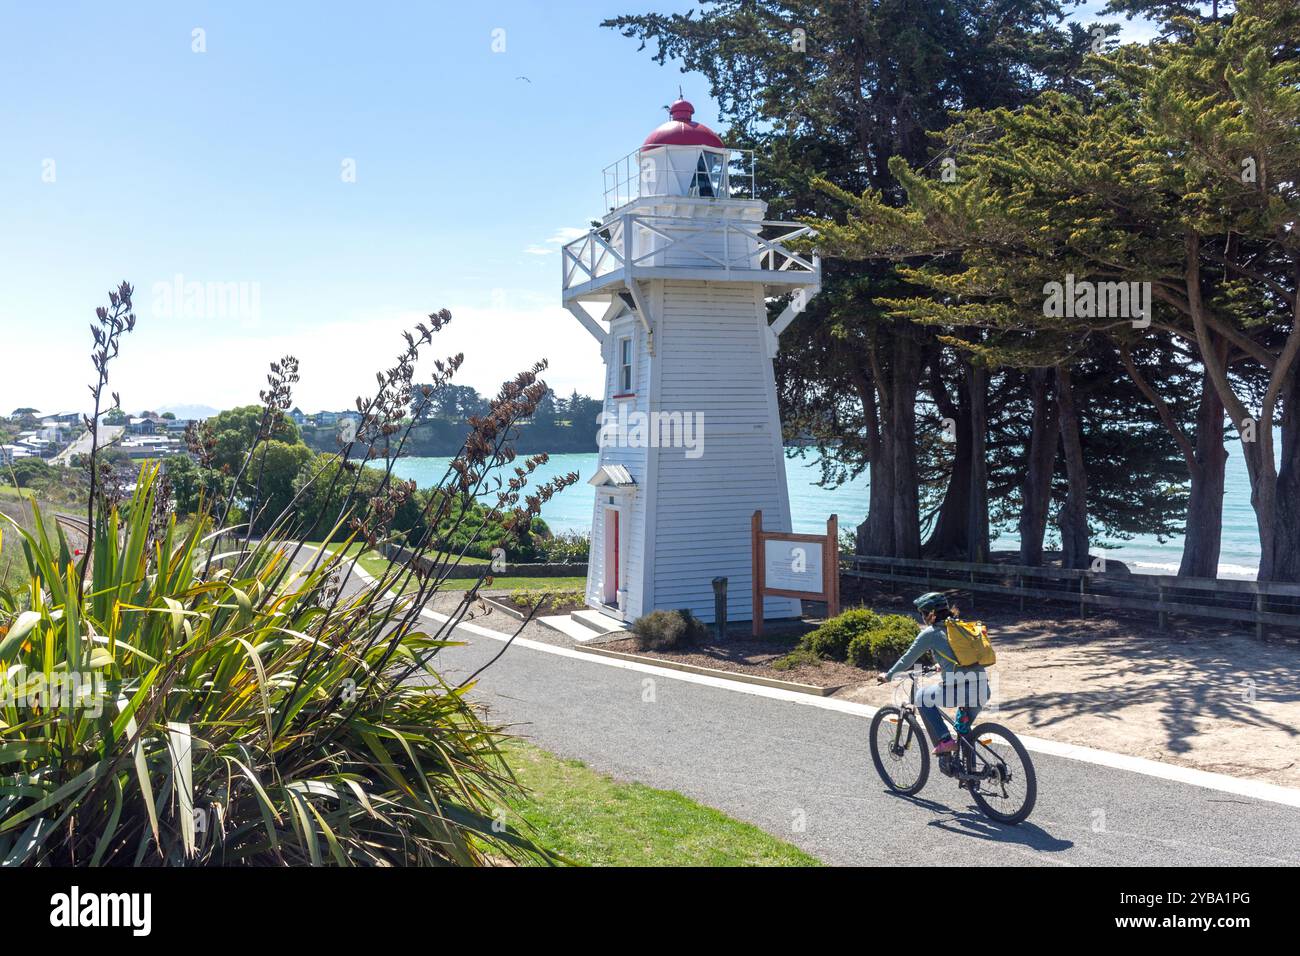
(969, 641)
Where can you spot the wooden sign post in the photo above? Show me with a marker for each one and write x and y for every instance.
(792, 565)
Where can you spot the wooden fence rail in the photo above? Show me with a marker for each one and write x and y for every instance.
(1249, 602)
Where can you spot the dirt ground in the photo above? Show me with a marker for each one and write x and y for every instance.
(748, 655)
(1217, 700)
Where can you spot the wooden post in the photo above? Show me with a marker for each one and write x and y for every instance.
(1082, 579)
(1259, 609)
(1160, 597)
(1020, 587)
(831, 564)
(756, 577)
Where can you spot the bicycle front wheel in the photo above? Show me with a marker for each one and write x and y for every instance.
(899, 751)
(1008, 787)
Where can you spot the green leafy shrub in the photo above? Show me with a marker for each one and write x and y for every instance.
(859, 636)
(548, 598)
(285, 724)
(831, 640)
(183, 694)
(475, 531)
(883, 644)
(28, 472)
(798, 657)
(565, 547)
(667, 630)
(324, 486)
(48, 483)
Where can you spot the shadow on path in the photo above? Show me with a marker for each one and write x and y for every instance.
(972, 823)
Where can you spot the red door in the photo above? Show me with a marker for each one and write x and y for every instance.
(611, 558)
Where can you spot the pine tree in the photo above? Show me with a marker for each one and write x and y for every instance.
(1180, 169)
(841, 88)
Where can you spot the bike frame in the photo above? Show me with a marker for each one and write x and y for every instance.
(966, 746)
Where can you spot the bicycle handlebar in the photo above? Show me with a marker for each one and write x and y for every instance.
(925, 669)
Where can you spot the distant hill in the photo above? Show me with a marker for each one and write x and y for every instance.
(189, 411)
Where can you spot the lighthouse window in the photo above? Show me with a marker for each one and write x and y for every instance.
(707, 181)
(625, 364)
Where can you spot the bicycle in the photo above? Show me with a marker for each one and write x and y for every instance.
(985, 762)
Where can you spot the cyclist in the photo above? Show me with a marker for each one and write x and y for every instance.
(934, 608)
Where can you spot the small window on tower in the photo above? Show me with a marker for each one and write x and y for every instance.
(702, 183)
(625, 364)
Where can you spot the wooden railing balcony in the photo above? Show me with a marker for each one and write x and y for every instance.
(641, 246)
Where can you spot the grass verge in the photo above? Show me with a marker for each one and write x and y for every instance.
(598, 821)
(375, 564)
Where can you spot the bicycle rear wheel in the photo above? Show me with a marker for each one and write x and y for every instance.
(899, 750)
(1008, 793)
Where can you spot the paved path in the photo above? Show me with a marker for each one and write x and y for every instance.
(804, 773)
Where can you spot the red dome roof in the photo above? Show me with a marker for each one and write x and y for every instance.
(681, 130)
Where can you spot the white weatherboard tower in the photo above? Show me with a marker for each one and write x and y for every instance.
(678, 273)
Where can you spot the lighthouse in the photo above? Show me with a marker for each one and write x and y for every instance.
(674, 285)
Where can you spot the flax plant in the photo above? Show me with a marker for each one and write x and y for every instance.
(213, 697)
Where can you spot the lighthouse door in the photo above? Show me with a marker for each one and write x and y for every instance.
(611, 582)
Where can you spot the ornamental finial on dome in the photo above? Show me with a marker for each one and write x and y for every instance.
(681, 129)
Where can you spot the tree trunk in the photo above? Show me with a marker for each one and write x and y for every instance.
(1205, 458)
(1040, 463)
(948, 538)
(1074, 512)
(875, 535)
(907, 368)
(1286, 541)
(1203, 538)
(1277, 560)
(977, 526)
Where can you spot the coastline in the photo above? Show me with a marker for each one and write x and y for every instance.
(810, 505)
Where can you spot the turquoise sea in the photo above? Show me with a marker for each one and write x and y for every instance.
(811, 506)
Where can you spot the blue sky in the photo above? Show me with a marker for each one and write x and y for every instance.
(126, 154)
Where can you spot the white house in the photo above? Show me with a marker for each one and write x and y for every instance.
(145, 425)
(677, 277)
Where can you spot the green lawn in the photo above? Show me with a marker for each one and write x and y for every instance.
(597, 821)
(375, 564)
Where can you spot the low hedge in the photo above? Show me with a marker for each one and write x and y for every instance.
(831, 641)
(884, 644)
(860, 637)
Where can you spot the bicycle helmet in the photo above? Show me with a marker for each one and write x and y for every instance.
(930, 601)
